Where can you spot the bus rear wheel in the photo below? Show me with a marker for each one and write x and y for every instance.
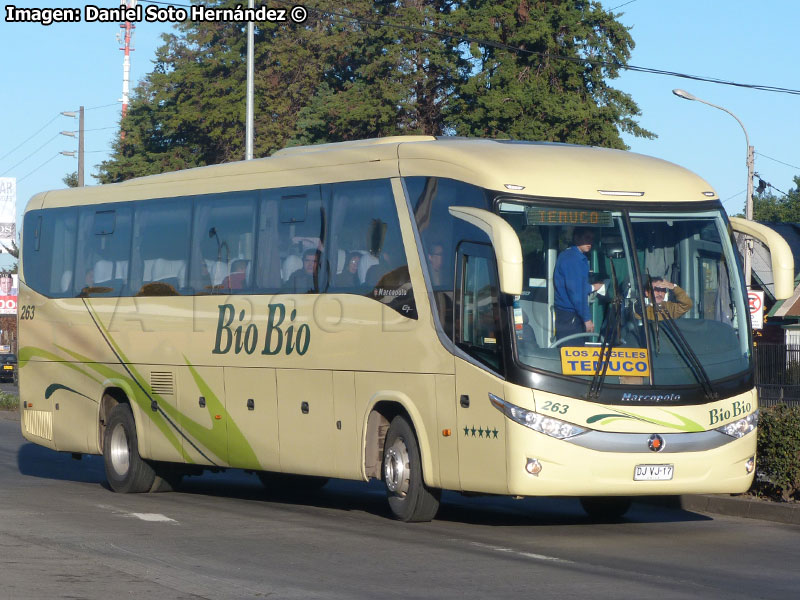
(126, 471)
(605, 508)
(409, 498)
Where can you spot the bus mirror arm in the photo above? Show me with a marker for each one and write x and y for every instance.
(780, 254)
(505, 242)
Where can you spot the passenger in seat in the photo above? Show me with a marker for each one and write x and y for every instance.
(348, 278)
(304, 281)
(236, 280)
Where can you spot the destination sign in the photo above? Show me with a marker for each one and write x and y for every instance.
(582, 360)
(540, 215)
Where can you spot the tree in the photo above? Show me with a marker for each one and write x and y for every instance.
(548, 80)
(71, 179)
(380, 68)
(768, 207)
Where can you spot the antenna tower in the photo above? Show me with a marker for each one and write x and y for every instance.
(125, 39)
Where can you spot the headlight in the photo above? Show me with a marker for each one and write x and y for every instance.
(547, 425)
(741, 427)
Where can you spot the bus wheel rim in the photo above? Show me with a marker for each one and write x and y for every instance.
(120, 454)
(395, 468)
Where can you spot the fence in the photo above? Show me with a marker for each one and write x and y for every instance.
(777, 374)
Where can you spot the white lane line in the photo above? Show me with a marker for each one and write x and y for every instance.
(530, 555)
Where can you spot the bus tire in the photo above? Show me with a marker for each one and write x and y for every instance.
(605, 508)
(126, 471)
(409, 498)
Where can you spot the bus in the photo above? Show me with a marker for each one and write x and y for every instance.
(385, 309)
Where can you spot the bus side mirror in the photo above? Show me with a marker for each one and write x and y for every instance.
(780, 253)
(504, 241)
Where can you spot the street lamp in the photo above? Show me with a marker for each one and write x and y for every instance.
(749, 202)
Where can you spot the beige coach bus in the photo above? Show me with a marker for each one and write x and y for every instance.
(386, 309)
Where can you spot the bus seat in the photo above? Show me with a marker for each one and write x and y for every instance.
(161, 269)
(103, 270)
(66, 281)
(291, 263)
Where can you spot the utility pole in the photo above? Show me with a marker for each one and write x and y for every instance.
(79, 114)
(248, 152)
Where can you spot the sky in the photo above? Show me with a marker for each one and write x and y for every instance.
(45, 70)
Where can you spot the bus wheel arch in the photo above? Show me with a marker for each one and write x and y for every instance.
(386, 407)
(111, 397)
(393, 452)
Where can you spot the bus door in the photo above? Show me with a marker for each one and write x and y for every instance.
(481, 427)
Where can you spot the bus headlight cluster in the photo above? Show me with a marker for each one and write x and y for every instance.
(547, 425)
(741, 427)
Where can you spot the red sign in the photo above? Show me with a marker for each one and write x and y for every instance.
(756, 301)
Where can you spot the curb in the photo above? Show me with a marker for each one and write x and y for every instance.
(732, 506)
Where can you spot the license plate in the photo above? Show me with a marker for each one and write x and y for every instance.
(8, 367)
(653, 472)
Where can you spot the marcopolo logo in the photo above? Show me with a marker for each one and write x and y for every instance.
(277, 336)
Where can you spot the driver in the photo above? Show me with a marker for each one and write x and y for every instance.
(572, 287)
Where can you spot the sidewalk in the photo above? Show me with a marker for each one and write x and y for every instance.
(733, 506)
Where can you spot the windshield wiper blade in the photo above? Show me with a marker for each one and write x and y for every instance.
(605, 349)
(656, 328)
(689, 355)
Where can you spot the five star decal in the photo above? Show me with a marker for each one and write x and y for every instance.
(480, 432)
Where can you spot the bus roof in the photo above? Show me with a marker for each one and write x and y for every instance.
(538, 169)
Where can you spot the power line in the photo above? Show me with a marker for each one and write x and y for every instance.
(30, 138)
(31, 154)
(39, 167)
(621, 5)
(778, 161)
(516, 50)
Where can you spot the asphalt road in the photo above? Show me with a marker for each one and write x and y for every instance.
(64, 534)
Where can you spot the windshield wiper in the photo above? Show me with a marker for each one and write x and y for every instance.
(605, 349)
(680, 343)
(656, 329)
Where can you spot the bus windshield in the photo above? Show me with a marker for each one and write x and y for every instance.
(660, 298)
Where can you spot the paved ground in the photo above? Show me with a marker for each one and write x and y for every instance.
(64, 534)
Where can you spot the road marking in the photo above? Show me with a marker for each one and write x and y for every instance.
(523, 554)
(152, 517)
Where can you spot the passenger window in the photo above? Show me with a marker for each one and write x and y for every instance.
(49, 257)
(161, 256)
(291, 242)
(440, 233)
(366, 255)
(104, 243)
(223, 242)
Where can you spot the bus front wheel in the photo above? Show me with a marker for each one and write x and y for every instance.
(126, 471)
(409, 498)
